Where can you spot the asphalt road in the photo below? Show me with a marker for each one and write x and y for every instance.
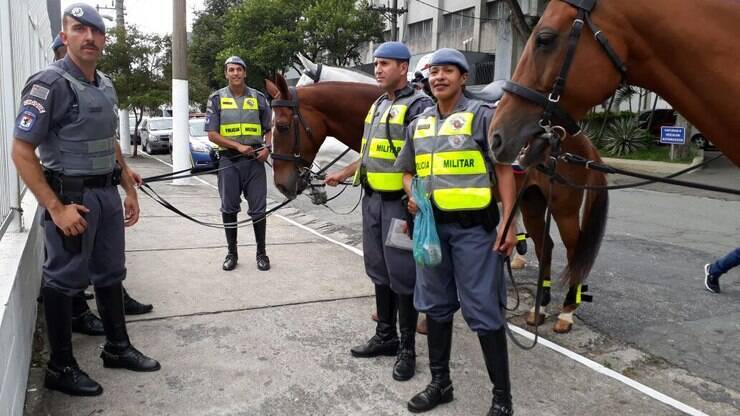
(648, 279)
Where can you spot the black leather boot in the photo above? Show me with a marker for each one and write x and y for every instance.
(132, 306)
(405, 366)
(439, 390)
(62, 372)
(385, 340)
(83, 320)
(118, 351)
(260, 232)
(496, 356)
(231, 257)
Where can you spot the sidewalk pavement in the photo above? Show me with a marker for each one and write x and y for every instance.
(277, 343)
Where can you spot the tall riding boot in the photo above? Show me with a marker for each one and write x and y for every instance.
(118, 351)
(83, 320)
(496, 356)
(439, 390)
(62, 373)
(260, 231)
(132, 306)
(405, 366)
(385, 340)
(231, 257)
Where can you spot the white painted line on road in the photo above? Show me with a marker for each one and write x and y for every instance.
(648, 391)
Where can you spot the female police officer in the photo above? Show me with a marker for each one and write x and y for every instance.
(447, 147)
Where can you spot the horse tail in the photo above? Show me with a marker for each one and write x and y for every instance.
(593, 227)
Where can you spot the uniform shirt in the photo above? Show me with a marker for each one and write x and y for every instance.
(416, 108)
(481, 120)
(48, 102)
(213, 112)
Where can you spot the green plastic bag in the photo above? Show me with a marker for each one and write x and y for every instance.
(427, 248)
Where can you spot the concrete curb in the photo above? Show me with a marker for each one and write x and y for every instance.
(653, 167)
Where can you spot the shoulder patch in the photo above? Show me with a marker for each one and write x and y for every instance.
(39, 91)
(35, 104)
(26, 120)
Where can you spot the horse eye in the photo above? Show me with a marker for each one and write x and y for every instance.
(545, 39)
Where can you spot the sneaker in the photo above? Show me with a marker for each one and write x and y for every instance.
(710, 282)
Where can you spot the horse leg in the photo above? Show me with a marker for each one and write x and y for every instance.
(533, 214)
(567, 223)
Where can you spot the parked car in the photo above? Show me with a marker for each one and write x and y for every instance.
(156, 133)
(132, 133)
(667, 117)
(202, 151)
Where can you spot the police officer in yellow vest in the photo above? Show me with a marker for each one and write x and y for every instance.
(391, 269)
(446, 146)
(238, 121)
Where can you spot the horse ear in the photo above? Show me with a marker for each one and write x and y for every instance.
(272, 89)
(308, 66)
(282, 86)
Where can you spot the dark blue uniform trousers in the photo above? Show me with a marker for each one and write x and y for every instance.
(470, 276)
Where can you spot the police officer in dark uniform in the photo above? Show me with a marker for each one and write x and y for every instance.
(447, 148)
(392, 270)
(68, 113)
(84, 320)
(238, 121)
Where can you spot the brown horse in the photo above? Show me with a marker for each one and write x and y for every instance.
(338, 109)
(684, 50)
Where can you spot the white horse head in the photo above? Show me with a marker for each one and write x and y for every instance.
(313, 72)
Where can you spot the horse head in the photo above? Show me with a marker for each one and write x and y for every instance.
(297, 134)
(516, 132)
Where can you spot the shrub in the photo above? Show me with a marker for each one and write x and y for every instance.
(623, 137)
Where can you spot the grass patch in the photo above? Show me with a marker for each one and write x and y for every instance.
(653, 152)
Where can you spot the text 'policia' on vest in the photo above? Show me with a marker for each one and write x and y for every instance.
(240, 117)
(382, 139)
(450, 159)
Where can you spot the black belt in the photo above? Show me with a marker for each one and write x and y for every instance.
(59, 181)
(384, 195)
(487, 217)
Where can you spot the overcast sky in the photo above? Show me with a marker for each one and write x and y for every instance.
(152, 16)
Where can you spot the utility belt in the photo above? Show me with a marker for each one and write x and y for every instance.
(487, 217)
(385, 196)
(71, 190)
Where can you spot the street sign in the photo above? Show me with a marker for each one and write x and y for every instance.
(672, 135)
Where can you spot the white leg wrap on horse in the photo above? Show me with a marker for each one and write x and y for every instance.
(566, 316)
(542, 311)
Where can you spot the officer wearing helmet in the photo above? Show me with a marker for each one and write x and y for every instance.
(447, 149)
(390, 269)
(238, 122)
(68, 113)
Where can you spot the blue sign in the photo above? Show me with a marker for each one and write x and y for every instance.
(672, 135)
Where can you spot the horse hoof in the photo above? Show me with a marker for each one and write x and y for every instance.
(422, 327)
(374, 316)
(532, 322)
(562, 326)
(518, 262)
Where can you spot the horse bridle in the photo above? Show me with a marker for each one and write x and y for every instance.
(301, 164)
(554, 116)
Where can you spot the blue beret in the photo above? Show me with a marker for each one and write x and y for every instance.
(85, 14)
(235, 60)
(449, 56)
(393, 50)
(57, 43)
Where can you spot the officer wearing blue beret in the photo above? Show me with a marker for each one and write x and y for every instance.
(238, 122)
(68, 113)
(447, 148)
(391, 269)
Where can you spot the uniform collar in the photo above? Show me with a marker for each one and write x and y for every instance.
(401, 92)
(68, 65)
(462, 104)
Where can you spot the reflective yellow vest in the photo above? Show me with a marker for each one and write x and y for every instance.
(240, 117)
(454, 164)
(384, 121)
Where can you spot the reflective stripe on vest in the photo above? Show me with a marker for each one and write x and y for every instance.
(450, 157)
(377, 155)
(87, 144)
(240, 117)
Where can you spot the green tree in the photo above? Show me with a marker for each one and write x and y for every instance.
(140, 66)
(335, 30)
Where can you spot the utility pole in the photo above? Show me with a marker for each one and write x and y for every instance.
(180, 108)
(123, 126)
(391, 14)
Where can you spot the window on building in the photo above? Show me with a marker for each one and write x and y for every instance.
(459, 21)
(420, 30)
(494, 10)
